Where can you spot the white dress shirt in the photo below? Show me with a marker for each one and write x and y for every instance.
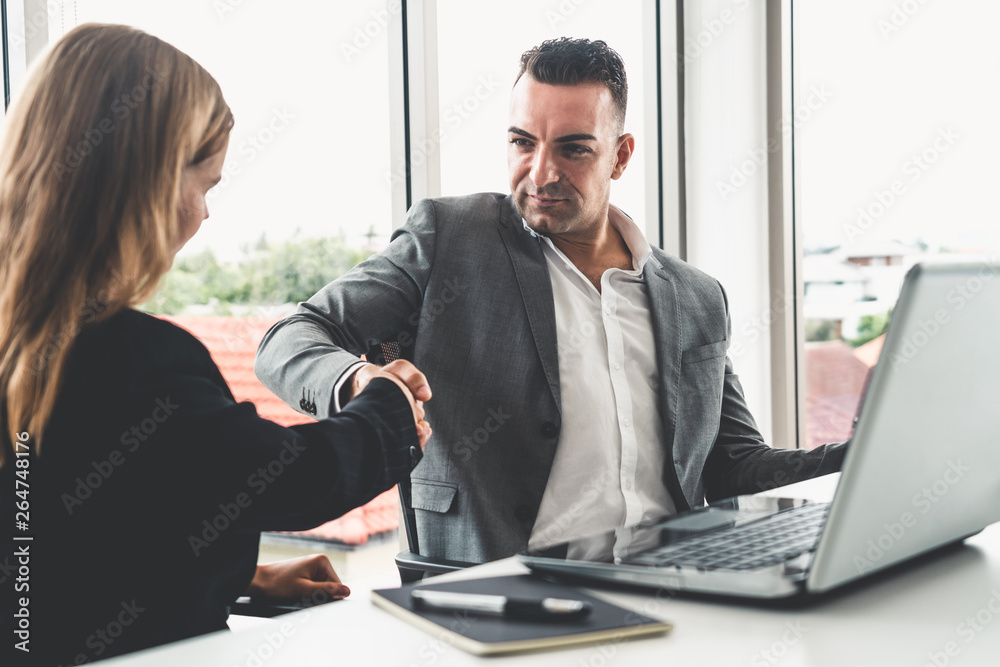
(608, 467)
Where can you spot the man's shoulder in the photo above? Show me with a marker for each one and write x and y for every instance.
(677, 268)
(481, 205)
(685, 276)
(469, 219)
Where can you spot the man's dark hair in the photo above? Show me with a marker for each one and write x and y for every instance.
(570, 62)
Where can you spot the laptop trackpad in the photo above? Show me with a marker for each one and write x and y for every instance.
(706, 519)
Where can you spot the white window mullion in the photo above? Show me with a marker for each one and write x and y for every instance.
(27, 36)
(785, 248)
(421, 104)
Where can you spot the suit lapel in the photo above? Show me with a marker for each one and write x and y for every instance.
(536, 290)
(667, 334)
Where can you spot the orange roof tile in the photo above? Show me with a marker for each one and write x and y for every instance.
(835, 380)
(868, 353)
(232, 342)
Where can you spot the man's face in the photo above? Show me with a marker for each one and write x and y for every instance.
(563, 151)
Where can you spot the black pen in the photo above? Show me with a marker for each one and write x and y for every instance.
(501, 605)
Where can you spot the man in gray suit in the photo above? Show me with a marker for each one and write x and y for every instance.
(580, 376)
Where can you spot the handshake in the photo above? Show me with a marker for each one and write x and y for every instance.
(410, 380)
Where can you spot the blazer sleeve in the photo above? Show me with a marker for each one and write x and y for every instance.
(740, 462)
(226, 459)
(379, 300)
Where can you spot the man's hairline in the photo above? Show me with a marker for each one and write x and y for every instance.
(619, 124)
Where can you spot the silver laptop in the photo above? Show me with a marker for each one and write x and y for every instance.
(922, 470)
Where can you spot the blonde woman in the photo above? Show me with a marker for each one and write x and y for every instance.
(143, 483)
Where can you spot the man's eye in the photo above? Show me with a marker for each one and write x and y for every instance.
(576, 149)
(518, 141)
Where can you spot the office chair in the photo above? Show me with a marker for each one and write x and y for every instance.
(412, 565)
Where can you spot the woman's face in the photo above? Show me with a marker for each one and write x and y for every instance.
(196, 181)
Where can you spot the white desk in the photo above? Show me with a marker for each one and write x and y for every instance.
(911, 616)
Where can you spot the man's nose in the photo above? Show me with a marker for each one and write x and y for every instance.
(543, 168)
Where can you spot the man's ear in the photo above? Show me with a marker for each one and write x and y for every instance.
(626, 146)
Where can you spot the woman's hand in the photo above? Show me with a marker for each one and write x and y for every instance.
(310, 578)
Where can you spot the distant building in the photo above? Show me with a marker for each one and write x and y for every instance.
(842, 285)
(830, 280)
(881, 254)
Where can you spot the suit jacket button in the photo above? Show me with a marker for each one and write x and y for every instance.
(549, 430)
(523, 513)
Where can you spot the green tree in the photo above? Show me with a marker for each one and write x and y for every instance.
(820, 330)
(270, 273)
(870, 328)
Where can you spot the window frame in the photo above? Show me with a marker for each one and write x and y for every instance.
(17, 17)
(785, 254)
(772, 279)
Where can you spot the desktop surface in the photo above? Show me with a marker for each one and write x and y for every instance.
(938, 610)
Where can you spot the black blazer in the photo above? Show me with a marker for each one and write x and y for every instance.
(153, 486)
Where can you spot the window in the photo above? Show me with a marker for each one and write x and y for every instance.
(896, 165)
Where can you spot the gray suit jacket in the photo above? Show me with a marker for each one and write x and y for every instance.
(464, 290)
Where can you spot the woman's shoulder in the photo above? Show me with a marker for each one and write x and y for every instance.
(143, 339)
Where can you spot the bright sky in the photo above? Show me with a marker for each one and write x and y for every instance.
(914, 101)
(307, 82)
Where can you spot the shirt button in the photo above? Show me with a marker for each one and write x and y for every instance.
(522, 513)
(627, 422)
(628, 485)
(617, 366)
(549, 430)
(607, 310)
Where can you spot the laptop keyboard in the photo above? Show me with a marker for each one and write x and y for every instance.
(778, 538)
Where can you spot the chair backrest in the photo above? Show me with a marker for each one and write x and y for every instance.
(383, 354)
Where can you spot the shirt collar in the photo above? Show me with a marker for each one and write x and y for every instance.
(624, 225)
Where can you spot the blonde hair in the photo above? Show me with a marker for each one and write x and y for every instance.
(91, 161)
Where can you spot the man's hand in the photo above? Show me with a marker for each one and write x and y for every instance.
(410, 380)
(402, 369)
(306, 578)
